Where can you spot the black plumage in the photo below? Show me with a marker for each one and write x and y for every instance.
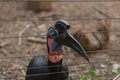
(40, 68)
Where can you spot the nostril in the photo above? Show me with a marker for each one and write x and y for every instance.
(55, 57)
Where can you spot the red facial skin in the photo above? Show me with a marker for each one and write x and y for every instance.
(54, 56)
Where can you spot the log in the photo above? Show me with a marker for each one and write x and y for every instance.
(38, 6)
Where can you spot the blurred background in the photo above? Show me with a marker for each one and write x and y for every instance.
(23, 28)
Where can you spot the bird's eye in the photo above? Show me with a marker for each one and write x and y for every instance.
(53, 33)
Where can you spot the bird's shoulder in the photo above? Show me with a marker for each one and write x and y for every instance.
(39, 61)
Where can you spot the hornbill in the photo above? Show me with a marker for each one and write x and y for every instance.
(52, 67)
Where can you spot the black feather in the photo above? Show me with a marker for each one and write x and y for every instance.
(41, 69)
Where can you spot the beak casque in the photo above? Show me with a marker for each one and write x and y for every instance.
(68, 40)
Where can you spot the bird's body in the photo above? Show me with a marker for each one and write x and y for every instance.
(52, 66)
(40, 68)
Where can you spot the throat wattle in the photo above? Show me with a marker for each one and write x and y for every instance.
(55, 57)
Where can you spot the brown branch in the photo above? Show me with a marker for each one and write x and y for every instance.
(117, 77)
(37, 40)
(21, 33)
(4, 44)
(101, 12)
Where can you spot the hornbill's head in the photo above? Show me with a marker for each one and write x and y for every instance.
(58, 36)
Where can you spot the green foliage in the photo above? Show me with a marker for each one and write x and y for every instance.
(106, 70)
(118, 69)
(83, 77)
(92, 73)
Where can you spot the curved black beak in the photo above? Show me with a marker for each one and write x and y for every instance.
(68, 40)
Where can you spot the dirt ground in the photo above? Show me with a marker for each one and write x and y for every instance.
(15, 53)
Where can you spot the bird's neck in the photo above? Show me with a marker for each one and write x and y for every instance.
(55, 67)
(54, 64)
(54, 50)
(53, 46)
